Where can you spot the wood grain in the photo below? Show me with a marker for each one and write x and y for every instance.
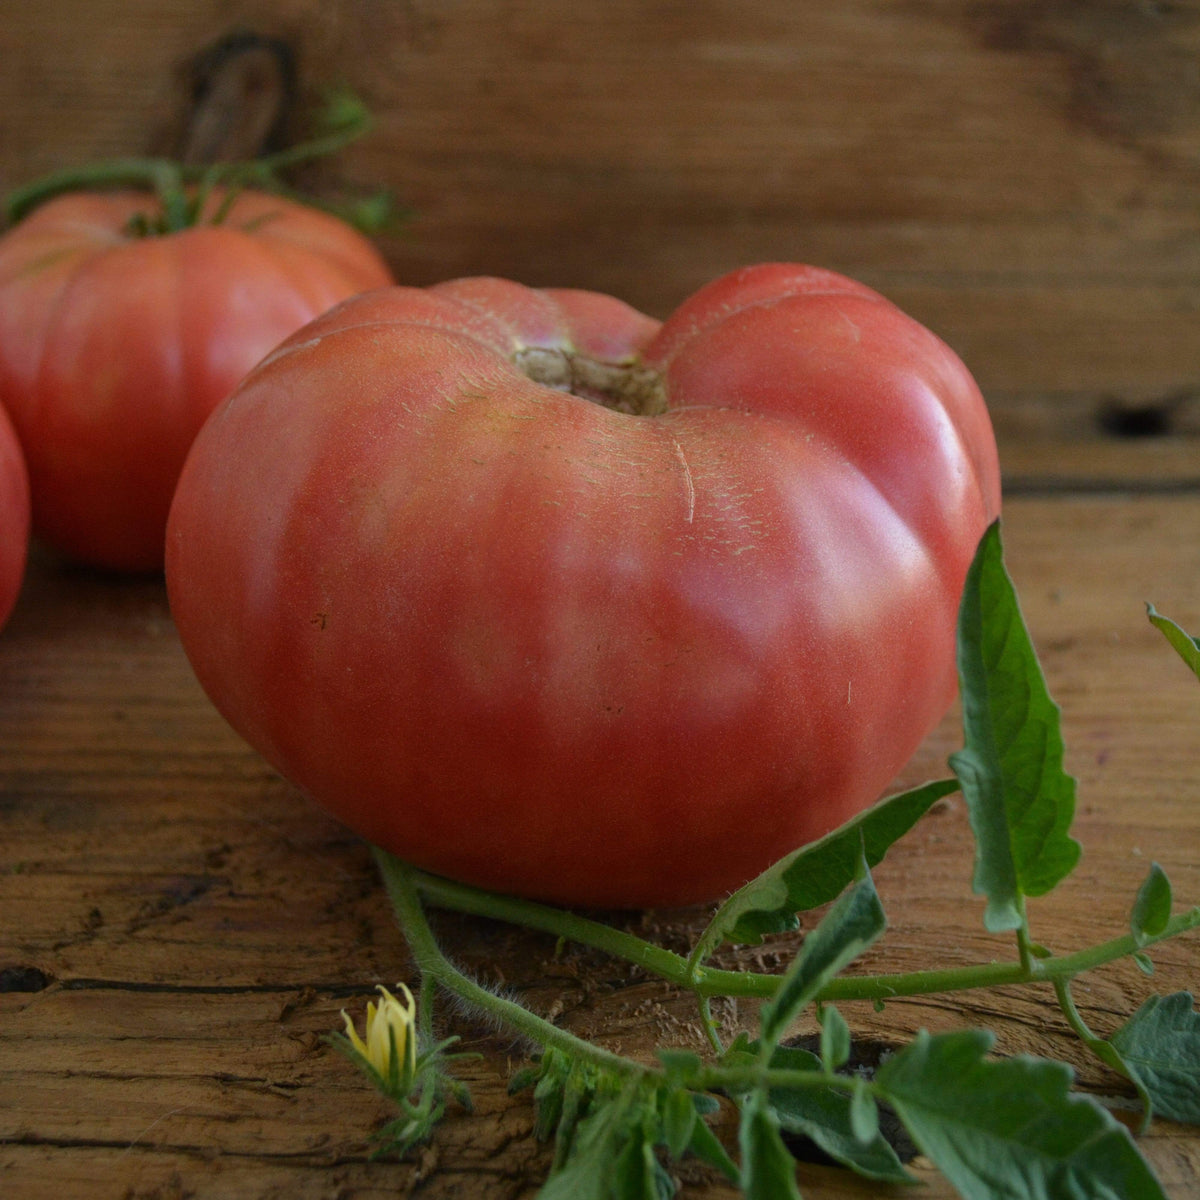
(1019, 175)
(181, 929)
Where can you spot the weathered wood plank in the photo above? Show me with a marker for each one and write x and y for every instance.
(1020, 176)
(186, 928)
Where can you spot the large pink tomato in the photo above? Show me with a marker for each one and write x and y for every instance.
(116, 344)
(544, 597)
(14, 517)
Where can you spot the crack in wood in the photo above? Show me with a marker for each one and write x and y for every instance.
(333, 991)
(205, 1153)
(1045, 486)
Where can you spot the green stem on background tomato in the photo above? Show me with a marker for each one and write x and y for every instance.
(169, 179)
(712, 982)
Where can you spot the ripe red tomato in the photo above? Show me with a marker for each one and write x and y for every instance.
(14, 517)
(115, 347)
(538, 644)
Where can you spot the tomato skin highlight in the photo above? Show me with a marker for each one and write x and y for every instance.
(14, 518)
(115, 348)
(545, 647)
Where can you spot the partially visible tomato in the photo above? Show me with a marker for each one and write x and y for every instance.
(14, 517)
(544, 597)
(115, 346)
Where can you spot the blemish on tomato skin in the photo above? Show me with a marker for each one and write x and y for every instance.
(288, 349)
(688, 482)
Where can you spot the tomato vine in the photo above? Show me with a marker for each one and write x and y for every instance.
(618, 1121)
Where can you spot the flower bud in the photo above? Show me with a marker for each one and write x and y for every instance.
(390, 1044)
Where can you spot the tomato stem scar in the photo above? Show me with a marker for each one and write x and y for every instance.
(627, 387)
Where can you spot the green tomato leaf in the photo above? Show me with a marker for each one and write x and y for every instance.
(834, 1121)
(548, 1099)
(707, 1148)
(679, 1119)
(854, 921)
(1160, 1043)
(1020, 800)
(818, 872)
(823, 1114)
(745, 1053)
(864, 1114)
(526, 1077)
(1010, 1129)
(601, 1139)
(835, 1038)
(1186, 646)
(1152, 907)
(585, 1177)
(637, 1174)
(837, 1122)
(768, 1170)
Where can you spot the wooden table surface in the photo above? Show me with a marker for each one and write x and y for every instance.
(179, 928)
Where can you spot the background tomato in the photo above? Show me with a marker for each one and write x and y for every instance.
(14, 517)
(115, 347)
(595, 656)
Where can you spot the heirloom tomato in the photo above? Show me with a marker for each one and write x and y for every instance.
(116, 343)
(548, 598)
(14, 517)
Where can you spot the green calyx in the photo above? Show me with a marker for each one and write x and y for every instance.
(184, 191)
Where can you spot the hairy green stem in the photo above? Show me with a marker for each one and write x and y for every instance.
(712, 982)
(406, 884)
(400, 881)
(557, 921)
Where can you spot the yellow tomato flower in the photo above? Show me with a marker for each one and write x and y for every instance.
(390, 1046)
